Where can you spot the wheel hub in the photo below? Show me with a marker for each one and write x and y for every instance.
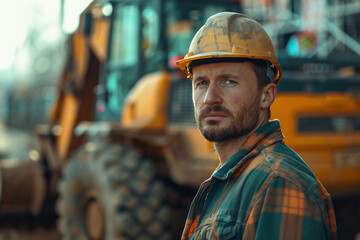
(94, 220)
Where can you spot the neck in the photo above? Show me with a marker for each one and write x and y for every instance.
(226, 149)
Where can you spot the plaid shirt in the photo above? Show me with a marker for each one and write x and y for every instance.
(264, 191)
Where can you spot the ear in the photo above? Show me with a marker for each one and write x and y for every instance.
(268, 95)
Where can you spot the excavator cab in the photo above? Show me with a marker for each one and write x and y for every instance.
(145, 36)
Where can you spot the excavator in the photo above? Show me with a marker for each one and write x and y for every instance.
(121, 157)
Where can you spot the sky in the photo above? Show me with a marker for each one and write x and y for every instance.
(19, 17)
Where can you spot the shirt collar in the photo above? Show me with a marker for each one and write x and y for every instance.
(264, 136)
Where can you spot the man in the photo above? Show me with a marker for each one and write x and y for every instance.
(261, 189)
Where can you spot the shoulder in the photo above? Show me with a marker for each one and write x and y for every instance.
(274, 164)
(286, 166)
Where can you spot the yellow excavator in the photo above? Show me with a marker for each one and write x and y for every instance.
(121, 155)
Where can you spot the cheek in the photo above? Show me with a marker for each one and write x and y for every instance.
(245, 95)
(195, 104)
(234, 99)
(197, 99)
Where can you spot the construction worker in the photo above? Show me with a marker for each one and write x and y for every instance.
(262, 189)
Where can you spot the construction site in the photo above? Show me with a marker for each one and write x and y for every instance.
(98, 138)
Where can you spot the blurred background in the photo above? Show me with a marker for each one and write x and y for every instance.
(67, 65)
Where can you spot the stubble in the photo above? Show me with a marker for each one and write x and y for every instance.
(242, 123)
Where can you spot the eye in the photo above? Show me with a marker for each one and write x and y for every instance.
(229, 82)
(200, 84)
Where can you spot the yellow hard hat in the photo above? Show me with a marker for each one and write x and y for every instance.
(231, 35)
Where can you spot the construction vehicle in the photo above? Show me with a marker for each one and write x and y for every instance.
(133, 178)
(122, 156)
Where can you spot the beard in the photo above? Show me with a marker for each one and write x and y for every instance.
(242, 123)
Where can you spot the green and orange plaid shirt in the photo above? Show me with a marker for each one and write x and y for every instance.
(264, 191)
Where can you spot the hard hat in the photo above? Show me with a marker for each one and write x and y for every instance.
(231, 35)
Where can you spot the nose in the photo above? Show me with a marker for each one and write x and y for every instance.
(213, 95)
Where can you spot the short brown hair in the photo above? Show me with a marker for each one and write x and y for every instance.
(260, 69)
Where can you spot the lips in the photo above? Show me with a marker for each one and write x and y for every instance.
(214, 113)
(214, 116)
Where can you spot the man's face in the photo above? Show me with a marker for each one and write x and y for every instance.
(226, 100)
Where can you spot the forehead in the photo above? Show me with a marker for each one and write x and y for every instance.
(239, 69)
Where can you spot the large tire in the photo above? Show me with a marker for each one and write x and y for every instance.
(111, 193)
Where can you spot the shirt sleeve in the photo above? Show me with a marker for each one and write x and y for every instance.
(284, 211)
